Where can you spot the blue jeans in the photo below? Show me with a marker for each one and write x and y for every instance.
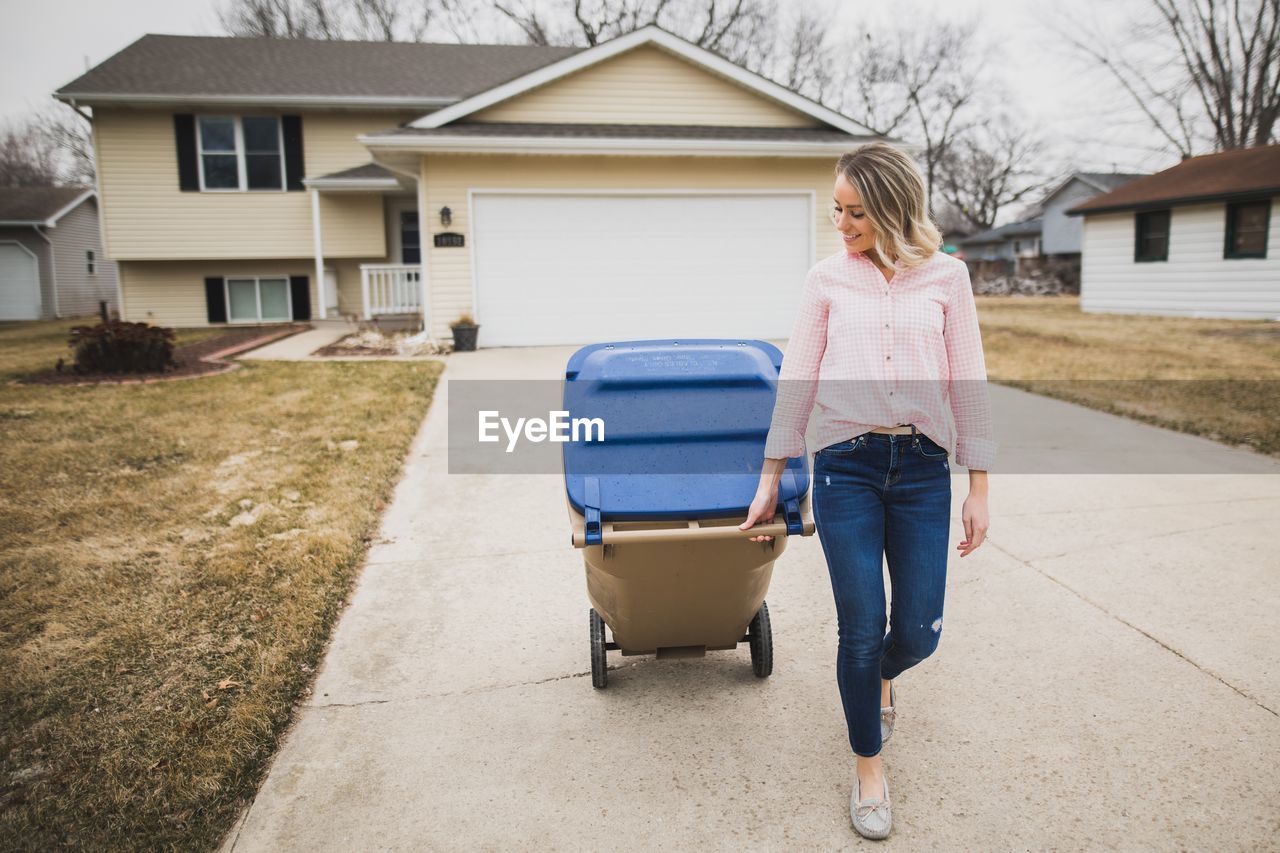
(889, 495)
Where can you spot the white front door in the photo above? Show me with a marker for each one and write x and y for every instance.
(573, 269)
(19, 283)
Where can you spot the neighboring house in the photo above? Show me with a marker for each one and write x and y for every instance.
(1001, 251)
(1200, 239)
(51, 259)
(1061, 234)
(643, 187)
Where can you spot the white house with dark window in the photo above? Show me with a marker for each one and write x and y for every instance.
(1201, 239)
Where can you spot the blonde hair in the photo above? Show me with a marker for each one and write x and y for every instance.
(893, 198)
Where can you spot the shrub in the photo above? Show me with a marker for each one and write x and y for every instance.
(120, 347)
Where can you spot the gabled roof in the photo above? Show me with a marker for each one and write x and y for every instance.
(1025, 228)
(303, 72)
(658, 37)
(370, 176)
(39, 205)
(1210, 177)
(1098, 181)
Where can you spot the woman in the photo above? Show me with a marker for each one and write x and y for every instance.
(890, 327)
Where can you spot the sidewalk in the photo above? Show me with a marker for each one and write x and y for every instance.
(1108, 676)
(300, 346)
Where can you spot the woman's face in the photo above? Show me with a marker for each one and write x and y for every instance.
(849, 218)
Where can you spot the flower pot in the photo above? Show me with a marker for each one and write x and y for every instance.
(464, 337)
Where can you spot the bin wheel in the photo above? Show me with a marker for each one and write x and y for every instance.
(761, 637)
(599, 665)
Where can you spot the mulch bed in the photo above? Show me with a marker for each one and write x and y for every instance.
(340, 349)
(202, 358)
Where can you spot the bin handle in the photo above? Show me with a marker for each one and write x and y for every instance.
(692, 531)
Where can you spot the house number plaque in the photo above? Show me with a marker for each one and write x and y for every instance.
(449, 239)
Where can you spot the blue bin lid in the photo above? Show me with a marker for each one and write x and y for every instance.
(685, 422)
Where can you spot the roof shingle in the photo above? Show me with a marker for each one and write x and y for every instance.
(1209, 177)
(194, 66)
(35, 204)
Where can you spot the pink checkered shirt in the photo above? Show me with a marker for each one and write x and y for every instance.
(870, 352)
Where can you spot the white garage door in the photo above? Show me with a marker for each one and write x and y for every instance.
(574, 269)
(19, 284)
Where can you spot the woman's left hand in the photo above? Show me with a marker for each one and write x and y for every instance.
(976, 520)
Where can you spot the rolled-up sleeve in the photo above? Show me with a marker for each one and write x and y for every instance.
(967, 386)
(798, 378)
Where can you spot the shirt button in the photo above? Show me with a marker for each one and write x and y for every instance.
(886, 325)
(887, 357)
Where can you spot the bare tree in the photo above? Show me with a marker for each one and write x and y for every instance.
(532, 22)
(458, 17)
(286, 19)
(735, 29)
(373, 20)
(1202, 72)
(988, 169)
(806, 63)
(391, 20)
(69, 131)
(922, 85)
(46, 148)
(742, 31)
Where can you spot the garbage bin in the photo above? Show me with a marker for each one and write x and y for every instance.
(655, 505)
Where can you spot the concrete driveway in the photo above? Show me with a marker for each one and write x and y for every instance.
(1109, 676)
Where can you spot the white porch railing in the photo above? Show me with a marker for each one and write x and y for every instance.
(390, 289)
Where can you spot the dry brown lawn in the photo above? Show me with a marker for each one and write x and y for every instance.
(172, 559)
(1215, 378)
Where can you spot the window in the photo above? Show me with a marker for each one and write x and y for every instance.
(258, 300)
(410, 238)
(1247, 225)
(240, 152)
(1151, 233)
(88, 262)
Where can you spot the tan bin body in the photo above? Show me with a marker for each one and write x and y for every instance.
(679, 588)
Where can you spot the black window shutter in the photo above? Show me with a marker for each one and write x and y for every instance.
(294, 168)
(184, 136)
(215, 300)
(300, 290)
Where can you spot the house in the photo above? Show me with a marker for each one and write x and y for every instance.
(642, 187)
(51, 260)
(1198, 240)
(1061, 234)
(1003, 250)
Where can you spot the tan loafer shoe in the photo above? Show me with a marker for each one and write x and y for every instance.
(888, 715)
(872, 817)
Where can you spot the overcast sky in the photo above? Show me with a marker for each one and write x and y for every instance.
(1088, 123)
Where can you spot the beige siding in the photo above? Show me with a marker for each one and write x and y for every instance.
(79, 291)
(171, 293)
(448, 178)
(1195, 281)
(148, 217)
(646, 85)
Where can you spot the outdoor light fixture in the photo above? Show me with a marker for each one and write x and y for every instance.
(446, 216)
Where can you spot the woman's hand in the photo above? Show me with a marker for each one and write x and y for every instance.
(976, 521)
(763, 508)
